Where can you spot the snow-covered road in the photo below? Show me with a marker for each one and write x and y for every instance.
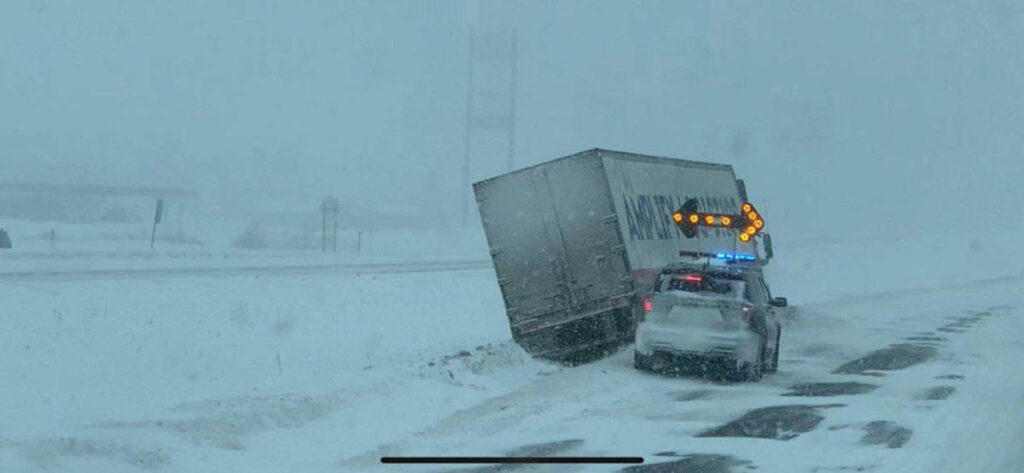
(328, 369)
(936, 388)
(224, 373)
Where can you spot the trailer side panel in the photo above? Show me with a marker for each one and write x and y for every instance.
(648, 190)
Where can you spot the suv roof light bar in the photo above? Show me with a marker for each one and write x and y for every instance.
(720, 255)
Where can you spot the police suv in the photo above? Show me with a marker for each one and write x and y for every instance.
(716, 312)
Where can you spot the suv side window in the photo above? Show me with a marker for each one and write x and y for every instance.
(767, 292)
(756, 292)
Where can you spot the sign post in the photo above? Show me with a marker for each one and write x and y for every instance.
(157, 217)
(329, 235)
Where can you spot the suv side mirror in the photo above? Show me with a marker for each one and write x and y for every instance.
(778, 302)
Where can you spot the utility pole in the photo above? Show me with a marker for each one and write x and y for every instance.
(491, 71)
(466, 137)
(512, 103)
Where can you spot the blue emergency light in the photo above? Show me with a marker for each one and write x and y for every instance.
(735, 257)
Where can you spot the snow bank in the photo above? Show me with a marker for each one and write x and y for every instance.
(98, 246)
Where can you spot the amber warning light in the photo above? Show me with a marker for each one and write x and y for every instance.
(748, 222)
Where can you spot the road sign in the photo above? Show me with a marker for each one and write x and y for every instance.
(748, 222)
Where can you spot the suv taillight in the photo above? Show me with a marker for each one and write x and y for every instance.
(647, 304)
(746, 312)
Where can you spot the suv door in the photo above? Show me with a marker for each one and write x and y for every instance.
(771, 317)
(754, 292)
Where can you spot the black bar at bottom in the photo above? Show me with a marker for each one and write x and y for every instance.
(493, 460)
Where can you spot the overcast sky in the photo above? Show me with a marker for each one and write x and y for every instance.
(905, 112)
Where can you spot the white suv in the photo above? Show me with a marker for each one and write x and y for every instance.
(697, 314)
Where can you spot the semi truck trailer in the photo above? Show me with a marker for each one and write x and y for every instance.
(576, 241)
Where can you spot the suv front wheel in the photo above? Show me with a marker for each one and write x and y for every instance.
(775, 354)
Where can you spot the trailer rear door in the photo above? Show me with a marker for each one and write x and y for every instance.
(522, 232)
(596, 262)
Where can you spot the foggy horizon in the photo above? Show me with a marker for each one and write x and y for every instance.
(902, 113)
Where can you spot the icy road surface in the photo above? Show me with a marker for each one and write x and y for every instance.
(330, 371)
(921, 382)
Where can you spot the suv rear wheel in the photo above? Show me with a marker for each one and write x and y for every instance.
(753, 371)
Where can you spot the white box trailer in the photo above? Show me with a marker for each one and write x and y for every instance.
(577, 239)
